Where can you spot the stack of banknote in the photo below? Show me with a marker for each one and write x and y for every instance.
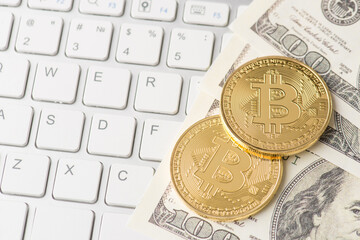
(318, 197)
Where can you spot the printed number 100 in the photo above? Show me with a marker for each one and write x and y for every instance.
(198, 227)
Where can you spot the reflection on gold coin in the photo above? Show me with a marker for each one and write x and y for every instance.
(275, 106)
(216, 178)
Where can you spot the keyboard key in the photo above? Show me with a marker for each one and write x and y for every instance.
(112, 135)
(157, 135)
(190, 49)
(194, 90)
(39, 34)
(89, 39)
(11, 3)
(13, 74)
(113, 227)
(6, 22)
(162, 10)
(60, 130)
(56, 5)
(127, 184)
(56, 82)
(12, 220)
(77, 180)
(139, 44)
(225, 40)
(107, 87)
(15, 124)
(158, 92)
(206, 13)
(102, 7)
(25, 174)
(57, 223)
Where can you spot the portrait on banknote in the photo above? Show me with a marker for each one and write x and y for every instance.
(319, 203)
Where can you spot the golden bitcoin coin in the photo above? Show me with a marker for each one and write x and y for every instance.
(216, 178)
(275, 106)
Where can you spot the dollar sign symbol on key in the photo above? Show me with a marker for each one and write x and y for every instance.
(224, 171)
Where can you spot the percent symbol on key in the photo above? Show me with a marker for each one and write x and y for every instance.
(181, 36)
(152, 33)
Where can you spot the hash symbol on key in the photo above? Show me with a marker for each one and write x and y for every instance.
(79, 27)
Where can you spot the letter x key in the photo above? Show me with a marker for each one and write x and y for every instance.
(69, 169)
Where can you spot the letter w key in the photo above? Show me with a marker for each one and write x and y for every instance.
(56, 82)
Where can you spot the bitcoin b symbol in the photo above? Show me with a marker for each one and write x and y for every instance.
(276, 102)
(224, 169)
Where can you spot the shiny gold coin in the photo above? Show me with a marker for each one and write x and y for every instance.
(275, 106)
(216, 178)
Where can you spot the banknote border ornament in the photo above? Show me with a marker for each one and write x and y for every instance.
(264, 28)
(327, 7)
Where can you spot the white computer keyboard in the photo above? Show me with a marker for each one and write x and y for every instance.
(91, 92)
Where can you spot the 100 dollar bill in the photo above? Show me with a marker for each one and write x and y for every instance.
(307, 179)
(314, 193)
(324, 34)
(340, 143)
(162, 215)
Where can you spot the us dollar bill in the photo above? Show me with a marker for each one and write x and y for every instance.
(324, 34)
(340, 143)
(314, 180)
(302, 208)
(308, 179)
